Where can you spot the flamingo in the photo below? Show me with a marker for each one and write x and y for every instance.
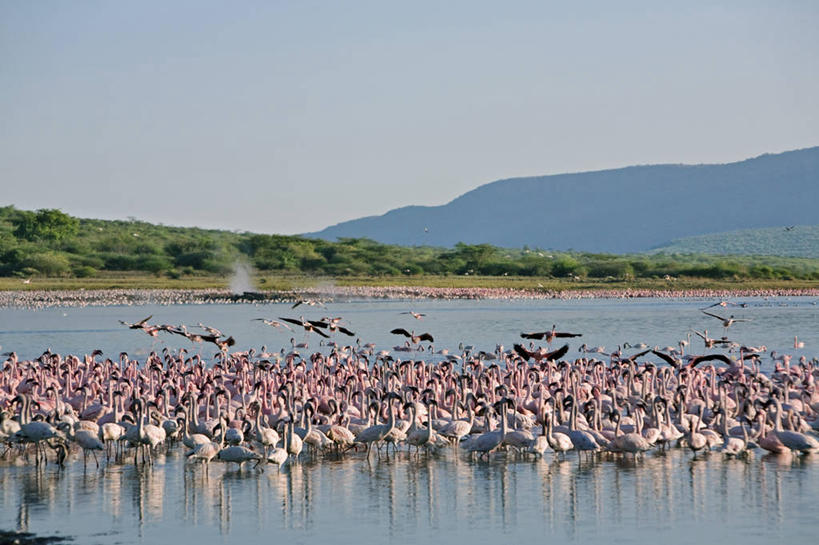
(490, 440)
(726, 322)
(207, 451)
(279, 455)
(378, 432)
(632, 442)
(582, 440)
(696, 441)
(239, 455)
(87, 440)
(798, 442)
(33, 431)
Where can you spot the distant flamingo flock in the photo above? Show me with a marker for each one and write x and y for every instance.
(38, 299)
(259, 407)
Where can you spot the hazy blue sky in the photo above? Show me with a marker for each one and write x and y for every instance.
(291, 116)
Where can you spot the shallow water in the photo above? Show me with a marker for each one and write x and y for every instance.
(669, 496)
(446, 497)
(483, 324)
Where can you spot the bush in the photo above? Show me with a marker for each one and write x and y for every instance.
(617, 269)
(84, 271)
(121, 262)
(47, 224)
(762, 271)
(48, 263)
(565, 266)
(411, 269)
(153, 263)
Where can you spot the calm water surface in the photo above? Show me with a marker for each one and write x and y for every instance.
(483, 324)
(443, 498)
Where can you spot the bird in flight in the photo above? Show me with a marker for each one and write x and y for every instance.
(307, 325)
(416, 315)
(541, 354)
(550, 335)
(310, 302)
(693, 361)
(709, 342)
(722, 304)
(211, 330)
(273, 323)
(142, 324)
(726, 322)
(412, 336)
(332, 325)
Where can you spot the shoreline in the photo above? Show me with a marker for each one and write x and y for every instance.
(40, 299)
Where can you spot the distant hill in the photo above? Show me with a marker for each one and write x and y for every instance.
(50, 243)
(624, 210)
(797, 241)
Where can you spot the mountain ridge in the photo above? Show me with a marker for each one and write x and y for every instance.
(622, 210)
(785, 241)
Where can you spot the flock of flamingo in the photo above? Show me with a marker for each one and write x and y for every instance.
(39, 299)
(260, 408)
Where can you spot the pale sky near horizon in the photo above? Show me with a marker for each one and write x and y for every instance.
(287, 117)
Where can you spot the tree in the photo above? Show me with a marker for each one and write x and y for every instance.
(45, 224)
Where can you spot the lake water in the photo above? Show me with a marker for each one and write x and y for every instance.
(483, 324)
(443, 498)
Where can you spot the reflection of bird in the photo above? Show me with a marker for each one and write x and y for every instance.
(412, 336)
(726, 322)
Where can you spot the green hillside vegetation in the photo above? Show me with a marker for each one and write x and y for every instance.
(50, 243)
(796, 241)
